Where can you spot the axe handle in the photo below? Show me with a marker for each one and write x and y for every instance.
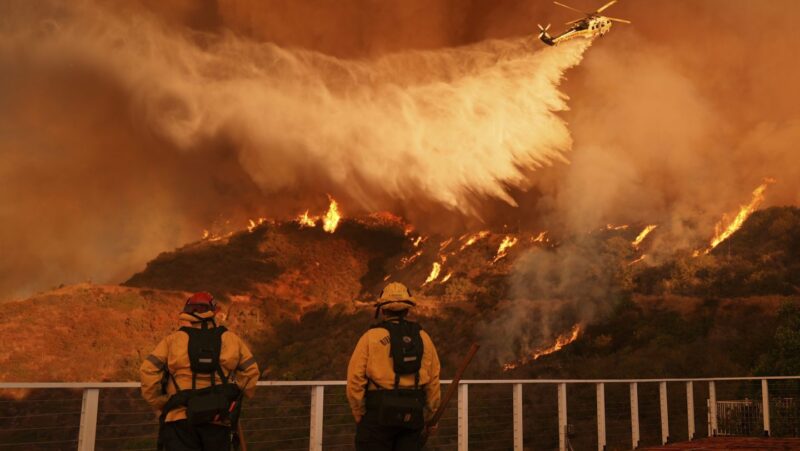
(240, 433)
(451, 390)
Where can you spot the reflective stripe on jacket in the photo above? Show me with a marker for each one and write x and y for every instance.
(173, 351)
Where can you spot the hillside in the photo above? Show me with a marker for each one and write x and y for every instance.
(296, 293)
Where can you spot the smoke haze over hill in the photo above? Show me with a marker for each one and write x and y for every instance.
(126, 130)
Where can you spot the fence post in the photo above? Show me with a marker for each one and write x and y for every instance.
(601, 417)
(634, 415)
(88, 431)
(317, 410)
(518, 434)
(463, 417)
(712, 409)
(690, 408)
(562, 417)
(662, 390)
(765, 405)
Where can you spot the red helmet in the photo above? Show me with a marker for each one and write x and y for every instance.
(200, 303)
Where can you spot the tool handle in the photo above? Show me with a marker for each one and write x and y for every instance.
(451, 391)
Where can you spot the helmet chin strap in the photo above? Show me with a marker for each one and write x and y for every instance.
(204, 321)
(380, 305)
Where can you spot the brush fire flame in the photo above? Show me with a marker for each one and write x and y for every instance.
(331, 219)
(252, 224)
(561, 341)
(540, 238)
(638, 260)
(723, 232)
(474, 238)
(306, 221)
(437, 268)
(447, 277)
(502, 251)
(647, 230)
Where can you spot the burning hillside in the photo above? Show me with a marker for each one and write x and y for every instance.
(286, 284)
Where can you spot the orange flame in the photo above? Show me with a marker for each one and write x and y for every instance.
(437, 268)
(474, 238)
(206, 234)
(306, 221)
(540, 238)
(418, 241)
(447, 277)
(502, 251)
(722, 233)
(643, 234)
(561, 341)
(444, 244)
(405, 261)
(638, 259)
(331, 219)
(253, 224)
(616, 227)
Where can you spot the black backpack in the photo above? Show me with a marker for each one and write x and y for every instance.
(222, 399)
(406, 348)
(401, 407)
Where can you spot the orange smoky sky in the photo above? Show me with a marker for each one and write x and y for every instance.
(128, 127)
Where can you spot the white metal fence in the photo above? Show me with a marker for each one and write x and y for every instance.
(488, 415)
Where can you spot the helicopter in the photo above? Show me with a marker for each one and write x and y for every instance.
(594, 24)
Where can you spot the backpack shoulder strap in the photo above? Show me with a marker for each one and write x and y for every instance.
(219, 331)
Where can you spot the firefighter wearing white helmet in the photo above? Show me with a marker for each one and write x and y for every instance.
(393, 377)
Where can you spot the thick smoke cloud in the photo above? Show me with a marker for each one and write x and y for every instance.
(123, 135)
(407, 126)
(675, 122)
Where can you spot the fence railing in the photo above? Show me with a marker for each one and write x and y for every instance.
(489, 414)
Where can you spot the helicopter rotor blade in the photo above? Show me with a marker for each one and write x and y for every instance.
(573, 21)
(543, 30)
(617, 20)
(573, 9)
(605, 7)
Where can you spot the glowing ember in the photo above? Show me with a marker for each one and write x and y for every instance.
(306, 221)
(616, 227)
(722, 232)
(206, 234)
(540, 238)
(418, 241)
(405, 261)
(331, 219)
(437, 268)
(253, 224)
(447, 277)
(502, 251)
(643, 235)
(474, 238)
(561, 341)
(444, 244)
(638, 259)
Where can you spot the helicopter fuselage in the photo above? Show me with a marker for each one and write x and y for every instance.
(589, 27)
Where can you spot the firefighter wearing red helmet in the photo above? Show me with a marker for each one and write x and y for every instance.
(393, 377)
(196, 378)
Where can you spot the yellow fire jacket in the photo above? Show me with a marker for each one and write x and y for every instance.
(372, 359)
(173, 352)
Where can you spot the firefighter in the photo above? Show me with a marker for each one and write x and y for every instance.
(393, 377)
(194, 371)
